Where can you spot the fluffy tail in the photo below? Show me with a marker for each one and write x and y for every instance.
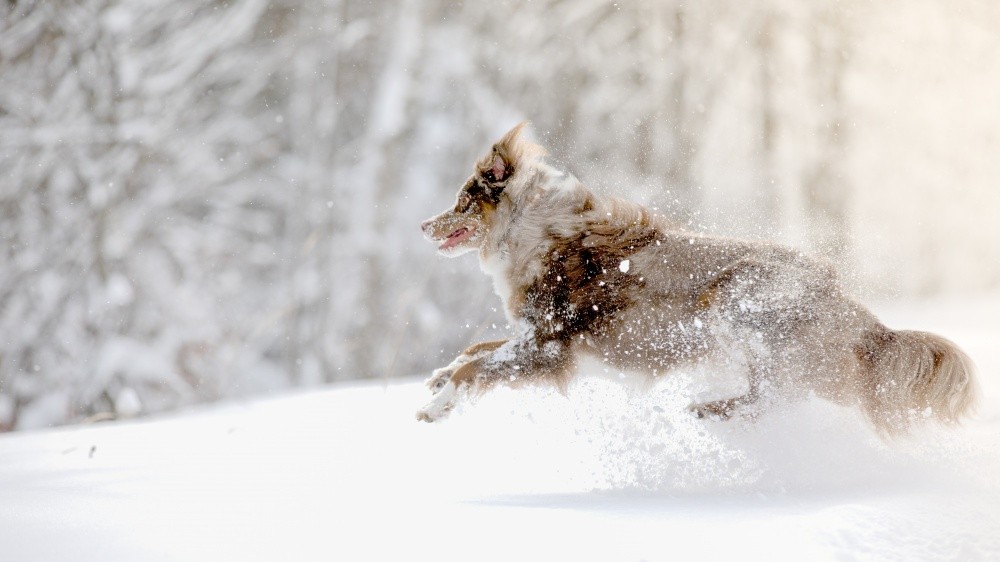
(914, 375)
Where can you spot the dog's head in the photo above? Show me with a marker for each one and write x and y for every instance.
(498, 178)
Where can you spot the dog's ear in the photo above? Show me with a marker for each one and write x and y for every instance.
(499, 169)
(509, 145)
(508, 154)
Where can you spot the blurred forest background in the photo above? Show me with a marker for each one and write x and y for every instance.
(204, 198)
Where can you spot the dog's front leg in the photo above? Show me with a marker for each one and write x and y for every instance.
(517, 360)
(439, 377)
(445, 392)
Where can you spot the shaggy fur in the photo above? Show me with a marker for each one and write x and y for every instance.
(584, 274)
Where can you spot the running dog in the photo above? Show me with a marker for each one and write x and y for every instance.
(585, 274)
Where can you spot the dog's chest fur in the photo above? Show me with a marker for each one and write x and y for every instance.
(563, 268)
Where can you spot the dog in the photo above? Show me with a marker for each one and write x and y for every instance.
(582, 274)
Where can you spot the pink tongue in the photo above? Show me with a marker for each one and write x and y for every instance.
(454, 237)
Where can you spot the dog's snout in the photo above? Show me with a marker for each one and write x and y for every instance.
(425, 225)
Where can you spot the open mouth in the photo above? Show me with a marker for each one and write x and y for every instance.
(457, 237)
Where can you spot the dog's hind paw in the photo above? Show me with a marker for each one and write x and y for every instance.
(718, 410)
(745, 407)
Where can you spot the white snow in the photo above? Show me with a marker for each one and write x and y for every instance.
(624, 266)
(605, 474)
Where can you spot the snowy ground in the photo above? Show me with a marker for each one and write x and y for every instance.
(347, 474)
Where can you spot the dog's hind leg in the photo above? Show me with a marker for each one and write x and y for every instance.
(725, 409)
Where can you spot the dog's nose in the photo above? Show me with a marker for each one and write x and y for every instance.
(425, 225)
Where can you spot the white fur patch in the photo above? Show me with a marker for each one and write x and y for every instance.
(440, 405)
(497, 268)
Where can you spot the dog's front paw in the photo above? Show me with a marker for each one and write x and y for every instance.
(431, 415)
(438, 379)
(439, 406)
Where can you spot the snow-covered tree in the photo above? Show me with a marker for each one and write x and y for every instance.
(202, 198)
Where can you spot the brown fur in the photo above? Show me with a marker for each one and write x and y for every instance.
(583, 274)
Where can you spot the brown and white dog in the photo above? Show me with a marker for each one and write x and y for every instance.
(584, 274)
